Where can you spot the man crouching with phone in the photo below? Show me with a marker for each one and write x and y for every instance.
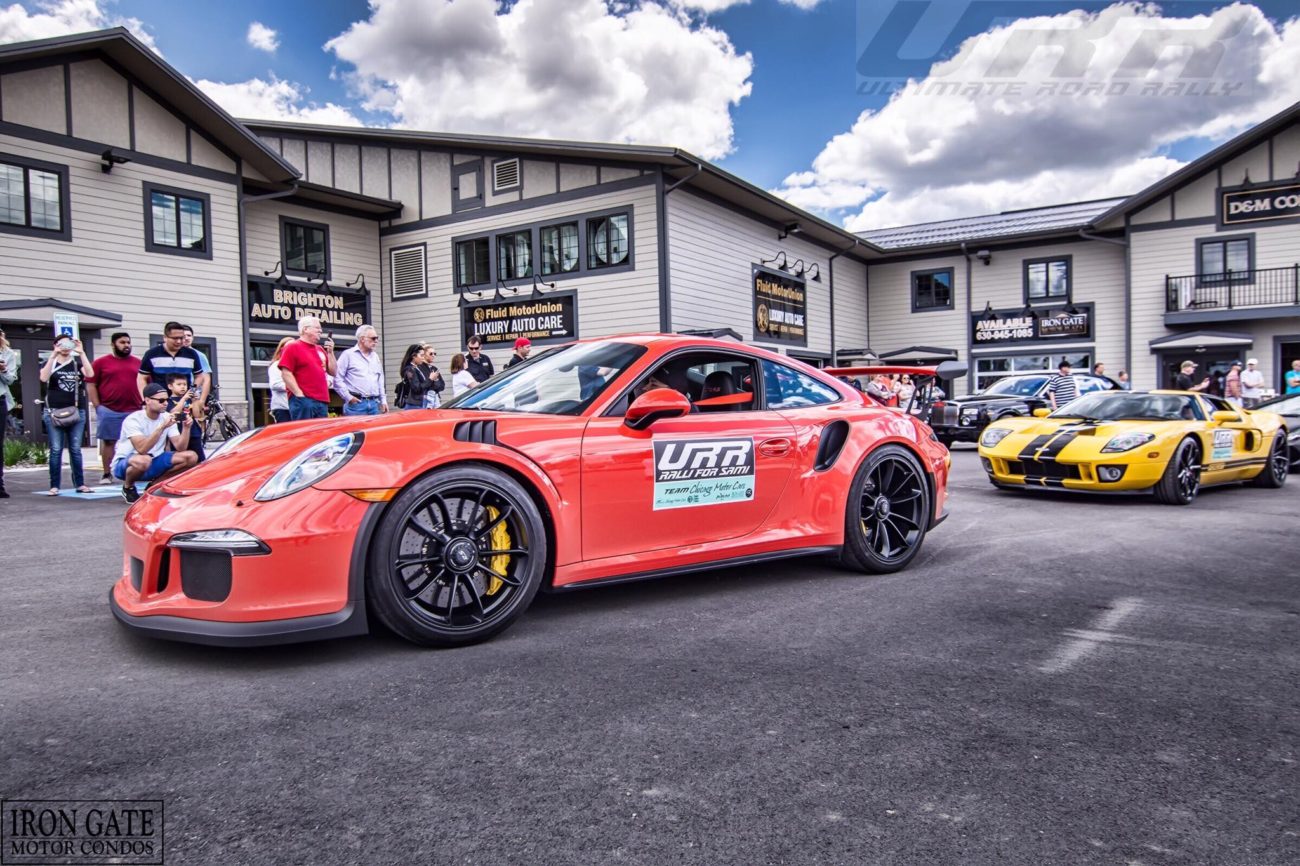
(140, 454)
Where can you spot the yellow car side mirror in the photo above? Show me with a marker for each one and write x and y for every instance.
(1223, 416)
(1042, 413)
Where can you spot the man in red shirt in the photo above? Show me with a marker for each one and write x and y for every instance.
(305, 363)
(114, 395)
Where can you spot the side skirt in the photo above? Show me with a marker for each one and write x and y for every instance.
(698, 566)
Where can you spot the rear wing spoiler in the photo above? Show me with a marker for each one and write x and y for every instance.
(923, 376)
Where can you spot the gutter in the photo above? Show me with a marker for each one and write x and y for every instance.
(243, 277)
(665, 283)
(1115, 241)
(970, 335)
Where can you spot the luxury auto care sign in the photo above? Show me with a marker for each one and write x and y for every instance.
(695, 472)
(552, 318)
(780, 307)
(1047, 323)
(278, 305)
(1259, 204)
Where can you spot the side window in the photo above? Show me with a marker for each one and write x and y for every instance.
(1088, 384)
(790, 389)
(712, 382)
(1217, 404)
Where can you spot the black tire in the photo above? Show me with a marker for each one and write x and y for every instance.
(887, 513)
(1279, 463)
(457, 558)
(1181, 480)
(945, 441)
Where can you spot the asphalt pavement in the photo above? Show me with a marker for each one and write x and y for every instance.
(1056, 680)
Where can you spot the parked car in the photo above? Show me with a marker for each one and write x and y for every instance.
(961, 418)
(1288, 406)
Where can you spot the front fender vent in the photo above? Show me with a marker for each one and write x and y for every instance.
(482, 432)
(834, 435)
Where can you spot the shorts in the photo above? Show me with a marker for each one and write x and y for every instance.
(160, 464)
(108, 424)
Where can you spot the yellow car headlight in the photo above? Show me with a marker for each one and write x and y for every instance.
(1126, 442)
(993, 435)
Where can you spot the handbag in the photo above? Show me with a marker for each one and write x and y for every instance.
(68, 416)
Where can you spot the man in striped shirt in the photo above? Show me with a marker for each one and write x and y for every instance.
(1062, 389)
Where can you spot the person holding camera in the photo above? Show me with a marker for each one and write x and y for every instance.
(186, 399)
(141, 453)
(65, 375)
(305, 363)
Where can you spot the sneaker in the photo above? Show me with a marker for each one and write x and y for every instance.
(4, 494)
(107, 479)
(129, 493)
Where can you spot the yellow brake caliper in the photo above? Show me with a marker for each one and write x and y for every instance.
(500, 541)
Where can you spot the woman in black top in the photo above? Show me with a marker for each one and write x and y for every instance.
(65, 375)
(415, 377)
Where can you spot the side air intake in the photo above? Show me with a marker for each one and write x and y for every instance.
(834, 435)
(482, 432)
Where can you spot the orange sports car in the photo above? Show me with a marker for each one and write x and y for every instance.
(598, 461)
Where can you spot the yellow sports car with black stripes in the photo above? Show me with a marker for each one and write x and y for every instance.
(1170, 443)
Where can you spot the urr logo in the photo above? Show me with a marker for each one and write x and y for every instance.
(705, 455)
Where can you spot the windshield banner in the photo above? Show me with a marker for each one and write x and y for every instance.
(551, 318)
(1073, 322)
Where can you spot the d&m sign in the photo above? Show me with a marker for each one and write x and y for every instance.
(1260, 204)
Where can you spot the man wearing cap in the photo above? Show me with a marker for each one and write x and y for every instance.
(1232, 384)
(1252, 384)
(140, 454)
(522, 347)
(1184, 381)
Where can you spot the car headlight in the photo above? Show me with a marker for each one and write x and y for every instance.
(310, 466)
(993, 435)
(224, 448)
(1126, 442)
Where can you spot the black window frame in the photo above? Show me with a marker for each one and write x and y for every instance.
(285, 223)
(151, 246)
(1247, 276)
(531, 234)
(64, 232)
(1068, 297)
(577, 260)
(587, 221)
(930, 272)
(457, 284)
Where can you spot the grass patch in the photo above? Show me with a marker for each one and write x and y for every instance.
(19, 451)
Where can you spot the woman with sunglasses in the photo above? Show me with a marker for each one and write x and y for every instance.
(65, 375)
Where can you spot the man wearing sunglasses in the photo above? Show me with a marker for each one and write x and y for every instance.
(141, 453)
(478, 364)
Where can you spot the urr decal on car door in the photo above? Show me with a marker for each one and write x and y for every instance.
(1222, 445)
(694, 472)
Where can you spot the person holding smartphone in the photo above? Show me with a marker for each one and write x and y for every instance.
(65, 375)
(141, 453)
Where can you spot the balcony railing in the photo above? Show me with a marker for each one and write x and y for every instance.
(1268, 287)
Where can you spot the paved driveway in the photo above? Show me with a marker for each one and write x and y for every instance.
(1056, 680)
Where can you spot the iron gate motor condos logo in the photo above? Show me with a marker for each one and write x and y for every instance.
(695, 472)
(77, 832)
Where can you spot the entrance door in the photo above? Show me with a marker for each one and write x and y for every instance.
(1212, 364)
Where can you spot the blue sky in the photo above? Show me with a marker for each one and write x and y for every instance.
(768, 89)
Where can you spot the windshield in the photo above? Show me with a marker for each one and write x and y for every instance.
(561, 381)
(1283, 405)
(1117, 406)
(1018, 386)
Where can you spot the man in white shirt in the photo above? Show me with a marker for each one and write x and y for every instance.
(359, 376)
(141, 453)
(1252, 384)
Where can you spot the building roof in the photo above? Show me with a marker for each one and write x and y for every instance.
(131, 55)
(1008, 224)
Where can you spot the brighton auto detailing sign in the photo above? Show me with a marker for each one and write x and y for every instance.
(1259, 204)
(780, 307)
(1046, 323)
(282, 306)
(552, 318)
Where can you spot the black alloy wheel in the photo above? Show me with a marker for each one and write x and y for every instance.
(1274, 474)
(457, 558)
(887, 513)
(1181, 480)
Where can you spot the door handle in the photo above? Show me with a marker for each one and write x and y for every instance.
(775, 447)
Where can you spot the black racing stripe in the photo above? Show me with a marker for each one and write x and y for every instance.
(1027, 453)
(1064, 437)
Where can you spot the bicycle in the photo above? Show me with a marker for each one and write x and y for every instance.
(221, 427)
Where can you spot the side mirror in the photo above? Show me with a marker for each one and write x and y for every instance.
(655, 406)
(1223, 416)
(1042, 413)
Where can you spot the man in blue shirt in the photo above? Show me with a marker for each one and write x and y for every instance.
(1293, 378)
(172, 357)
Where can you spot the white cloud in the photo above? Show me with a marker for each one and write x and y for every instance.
(260, 99)
(952, 144)
(262, 37)
(549, 68)
(708, 7)
(62, 17)
(802, 4)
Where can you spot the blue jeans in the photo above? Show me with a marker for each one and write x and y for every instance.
(361, 407)
(69, 438)
(302, 408)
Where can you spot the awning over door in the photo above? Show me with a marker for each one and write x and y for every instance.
(40, 312)
(1203, 340)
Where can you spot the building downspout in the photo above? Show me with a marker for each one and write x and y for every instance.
(665, 283)
(1128, 294)
(830, 281)
(970, 336)
(243, 277)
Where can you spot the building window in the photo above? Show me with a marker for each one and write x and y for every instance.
(990, 370)
(1047, 279)
(467, 186)
(34, 198)
(607, 241)
(559, 248)
(177, 222)
(305, 248)
(1225, 260)
(473, 262)
(515, 255)
(932, 290)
